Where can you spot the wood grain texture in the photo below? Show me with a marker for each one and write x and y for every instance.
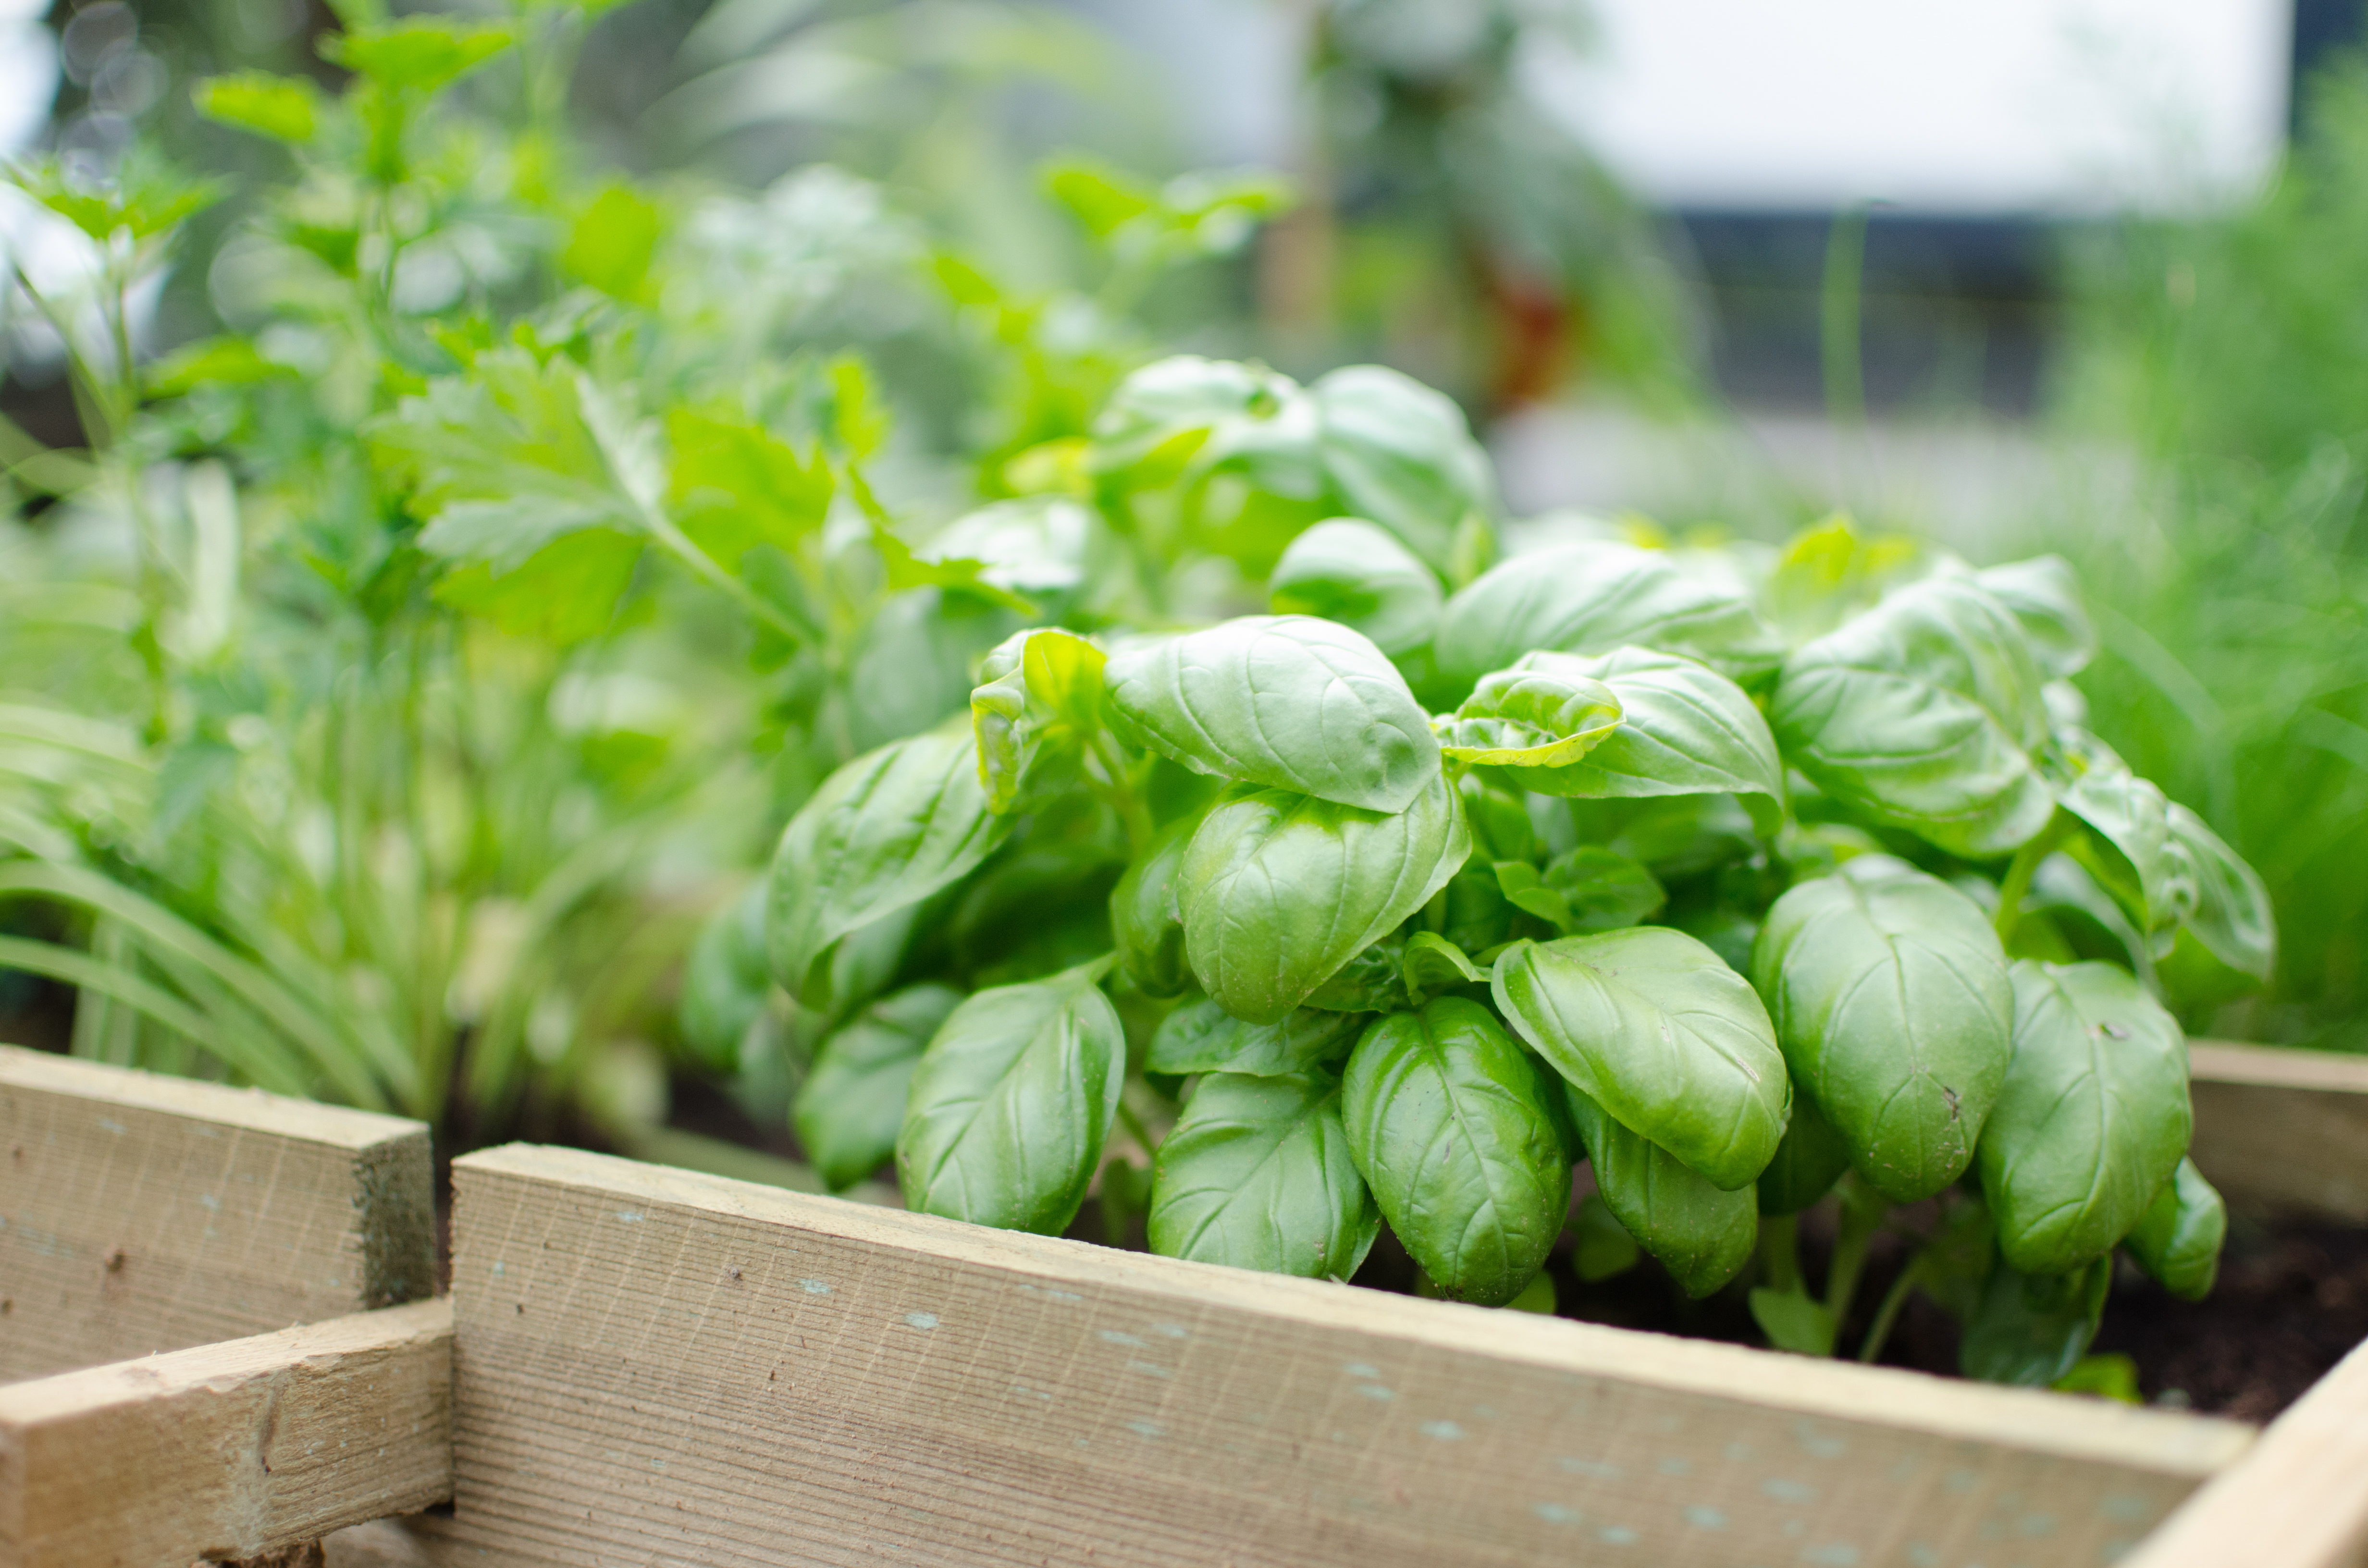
(141, 1213)
(2283, 1132)
(229, 1450)
(2299, 1499)
(658, 1367)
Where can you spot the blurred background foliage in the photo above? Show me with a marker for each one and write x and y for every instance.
(284, 818)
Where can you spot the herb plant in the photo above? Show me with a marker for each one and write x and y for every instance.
(1744, 877)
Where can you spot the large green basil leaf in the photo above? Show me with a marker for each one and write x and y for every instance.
(1890, 996)
(852, 1103)
(1587, 889)
(2122, 835)
(1188, 411)
(2233, 919)
(1279, 890)
(1685, 730)
(1006, 1113)
(2031, 1329)
(1286, 700)
(2092, 1120)
(1449, 1122)
(2179, 1240)
(1807, 1164)
(884, 832)
(724, 982)
(1530, 719)
(1651, 1026)
(1144, 923)
(1701, 1234)
(1924, 712)
(1201, 1037)
(1592, 598)
(1350, 571)
(1036, 707)
(2043, 594)
(1400, 453)
(1255, 1174)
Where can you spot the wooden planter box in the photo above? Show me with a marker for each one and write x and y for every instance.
(640, 1365)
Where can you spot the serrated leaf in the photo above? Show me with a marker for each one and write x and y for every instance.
(1534, 720)
(1201, 1037)
(421, 54)
(1672, 1043)
(286, 109)
(1358, 574)
(1289, 702)
(2178, 1241)
(736, 485)
(562, 593)
(851, 1106)
(1701, 1234)
(1255, 1174)
(1448, 1121)
(1279, 891)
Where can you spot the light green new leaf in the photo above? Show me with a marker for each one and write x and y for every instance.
(2030, 1330)
(2043, 594)
(1145, 923)
(1286, 700)
(1433, 964)
(1449, 1121)
(1036, 708)
(1924, 712)
(2233, 919)
(1201, 1037)
(1352, 571)
(736, 485)
(1651, 1026)
(1400, 453)
(1685, 730)
(1593, 598)
(1255, 1174)
(884, 831)
(2093, 1118)
(422, 54)
(1007, 1113)
(852, 1104)
(1890, 997)
(1536, 720)
(1589, 887)
(2179, 1240)
(286, 109)
(1279, 890)
(1701, 1234)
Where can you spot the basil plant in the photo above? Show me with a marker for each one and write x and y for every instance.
(1743, 878)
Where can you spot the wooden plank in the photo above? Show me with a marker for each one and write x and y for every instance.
(658, 1366)
(229, 1450)
(2299, 1499)
(141, 1213)
(2283, 1131)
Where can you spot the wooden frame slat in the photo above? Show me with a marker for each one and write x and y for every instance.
(229, 1452)
(652, 1365)
(2283, 1131)
(141, 1213)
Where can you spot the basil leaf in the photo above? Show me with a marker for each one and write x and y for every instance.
(1449, 1124)
(724, 981)
(1008, 1111)
(2179, 1240)
(1601, 1248)
(1685, 730)
(2093, 1118)
(1144, 924)
(1036, 707)
(1479, 917)
(1702, 1234)
(1651, 1026)
(1255, 1174)
(1587, 889)
(1434, 964)
(1500, 822)
(1279, 891)
(862, 964)
(1890, 997)
(852, 1103)
(1372, 981)
(1924, 712)
(1531, 719)
(1035, 546)
(1808, 1162)
(1592, 598)
(1400, 453)
(1285, 700)
(2124, 837)
(1201, 1037)
(2232, 919)
(2043, 594)
(2030, 1330)
(885, 831)
(1169, 413)
(1350, 571)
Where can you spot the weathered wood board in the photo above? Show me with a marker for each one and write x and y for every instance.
(229, 1450)
(2283, 1131)
(656, 1366)
(141, 1213)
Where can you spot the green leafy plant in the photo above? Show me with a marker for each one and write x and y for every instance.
(1744, 878)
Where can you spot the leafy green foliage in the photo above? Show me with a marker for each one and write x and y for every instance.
(1257, 1174)
(1701, 1234)
(852, 1105)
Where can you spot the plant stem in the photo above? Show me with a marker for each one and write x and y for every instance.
(1780, 1250)
(2018, 873)
(1887, 1312)
(1135, 1128)
(1862, 1216)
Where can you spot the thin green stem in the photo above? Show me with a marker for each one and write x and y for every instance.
(1134, 1127)
(2025, 865)
(1863, 1210)
(1780, 1251)
(1886, 1313)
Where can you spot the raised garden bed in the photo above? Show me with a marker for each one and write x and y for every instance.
(649, 1365)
